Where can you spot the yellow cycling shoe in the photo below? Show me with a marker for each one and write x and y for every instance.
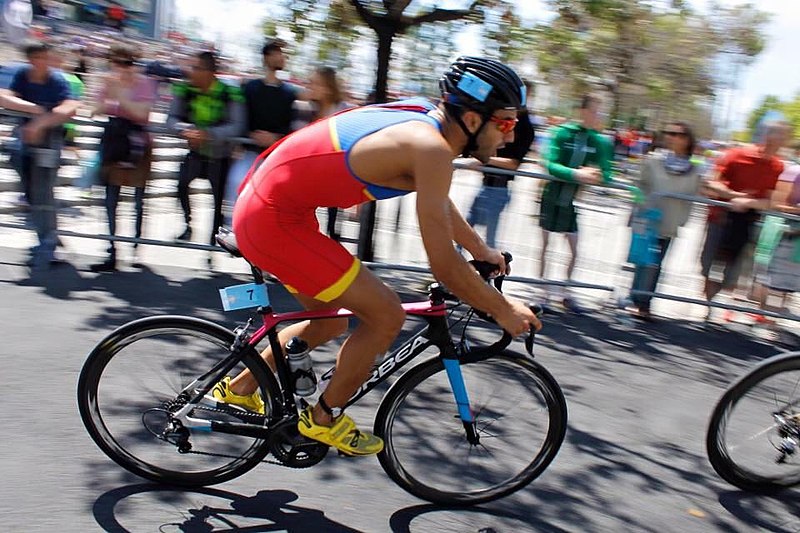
(222, 393)
(343, 435)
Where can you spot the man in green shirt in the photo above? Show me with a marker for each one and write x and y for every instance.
(208, 113)
(577, 154)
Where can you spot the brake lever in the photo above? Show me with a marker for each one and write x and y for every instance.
(537, 310)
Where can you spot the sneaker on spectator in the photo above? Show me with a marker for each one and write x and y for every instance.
(572, 306)
(186, 235)
(761, 319)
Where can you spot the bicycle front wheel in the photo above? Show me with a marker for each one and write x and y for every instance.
(521, 420)
(754, 431)
(130, 386)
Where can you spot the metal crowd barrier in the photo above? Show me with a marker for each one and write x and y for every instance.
(603, 227)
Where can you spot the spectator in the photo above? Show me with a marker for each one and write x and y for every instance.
(779, 270)
(746, 177)
(44, 94)
(668, 171)
(269, 105)
(577, 154)
(494, 194)
(76, 88)
(326, 97)
(208, 114)
(127, 97)
(81, 64)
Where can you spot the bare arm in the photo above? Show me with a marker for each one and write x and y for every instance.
(12, 102)
(436, 223)
(780, 198)
(465, 235)
(62, 113)
(507, 163)
(718, 188)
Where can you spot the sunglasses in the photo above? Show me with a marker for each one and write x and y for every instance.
(123, 62)
(504, 125)
(673, 133)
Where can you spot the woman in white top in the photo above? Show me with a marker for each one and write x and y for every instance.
(666, 171)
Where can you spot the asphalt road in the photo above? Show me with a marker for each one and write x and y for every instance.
(633, 458)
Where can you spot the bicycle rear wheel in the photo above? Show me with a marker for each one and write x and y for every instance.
(130, 384)
(754, 431)
(521, 418)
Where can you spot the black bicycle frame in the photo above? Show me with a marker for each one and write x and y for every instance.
(435, 333)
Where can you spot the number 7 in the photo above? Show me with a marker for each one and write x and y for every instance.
(250, 292)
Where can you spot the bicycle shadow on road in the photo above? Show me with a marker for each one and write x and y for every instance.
(206, 509)
(760, 510)
(483, 519)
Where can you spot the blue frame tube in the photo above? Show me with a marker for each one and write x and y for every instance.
(453, 369)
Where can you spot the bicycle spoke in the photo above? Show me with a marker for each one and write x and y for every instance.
(429, 442)
(747, 443)
(140, 377)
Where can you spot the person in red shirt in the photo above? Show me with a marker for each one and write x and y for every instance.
(745, 177)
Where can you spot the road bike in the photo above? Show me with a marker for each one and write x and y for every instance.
(467, 425)
(754, 431)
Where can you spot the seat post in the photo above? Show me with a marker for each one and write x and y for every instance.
(257, 275)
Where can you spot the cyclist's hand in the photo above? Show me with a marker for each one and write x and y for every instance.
(495, 257)
(517, 318)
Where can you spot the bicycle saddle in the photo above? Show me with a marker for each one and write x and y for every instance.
(227, 240)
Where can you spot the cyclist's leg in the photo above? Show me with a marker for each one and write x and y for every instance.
(381, 318)
(313, 332)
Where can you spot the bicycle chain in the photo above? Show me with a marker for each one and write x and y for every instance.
(236, 414)
(180, 403)
(267, 461)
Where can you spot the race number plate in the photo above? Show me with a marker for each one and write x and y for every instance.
(244, 296)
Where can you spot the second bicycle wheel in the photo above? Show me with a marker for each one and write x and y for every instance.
(129, 387)
(521, 418)
(753, 437)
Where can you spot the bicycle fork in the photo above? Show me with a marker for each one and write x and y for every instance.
(453, 368)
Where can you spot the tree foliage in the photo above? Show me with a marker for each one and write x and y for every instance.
(657, 61)
(338, 23)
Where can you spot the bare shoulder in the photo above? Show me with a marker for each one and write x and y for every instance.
(420, 138)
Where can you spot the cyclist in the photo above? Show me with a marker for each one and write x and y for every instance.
(369, 153)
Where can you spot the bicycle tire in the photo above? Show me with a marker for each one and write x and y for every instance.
(410, 481)
(717, 445)
(96, 417)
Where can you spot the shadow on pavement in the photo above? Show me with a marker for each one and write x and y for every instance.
(759, 510)
(200, 510)
(484, 519)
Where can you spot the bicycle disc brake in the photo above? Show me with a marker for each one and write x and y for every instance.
(293, 449)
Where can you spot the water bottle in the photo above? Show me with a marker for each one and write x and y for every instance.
(305, 382)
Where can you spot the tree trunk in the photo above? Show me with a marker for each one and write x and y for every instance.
(366, 248)
(385, 40)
